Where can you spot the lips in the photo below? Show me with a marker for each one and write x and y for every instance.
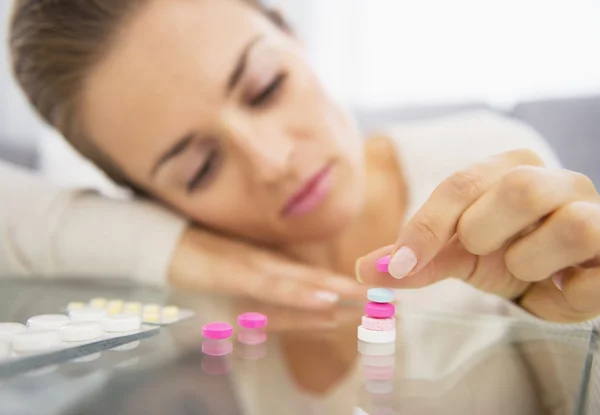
(311, 194)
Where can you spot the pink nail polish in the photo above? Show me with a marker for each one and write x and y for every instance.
(383, 263)
(557, 279)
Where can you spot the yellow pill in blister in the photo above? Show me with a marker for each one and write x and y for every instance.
(151, 318)
(151, 308)
(133, 306)
(115, 303)
(170, 311)
(75, 306)
(98, 302)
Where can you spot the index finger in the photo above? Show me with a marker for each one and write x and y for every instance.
(432, 227)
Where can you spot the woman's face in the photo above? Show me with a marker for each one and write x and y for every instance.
(214, 110)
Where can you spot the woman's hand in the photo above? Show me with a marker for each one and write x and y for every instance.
(206, 262)
(508, 226)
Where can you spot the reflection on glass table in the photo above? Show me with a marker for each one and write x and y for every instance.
(309, 363)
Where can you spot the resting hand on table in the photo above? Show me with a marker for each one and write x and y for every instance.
(510, 227)
(206, 262)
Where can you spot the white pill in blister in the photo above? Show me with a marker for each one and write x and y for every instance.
(121, 323)
(5, 350)
(47, 322)
(80, 331)
(87, 314)
(8, 330)
(35, 341)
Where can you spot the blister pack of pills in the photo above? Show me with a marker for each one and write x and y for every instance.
(153, 314)
(49, 339)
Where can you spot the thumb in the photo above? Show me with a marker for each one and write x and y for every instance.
(452, 261)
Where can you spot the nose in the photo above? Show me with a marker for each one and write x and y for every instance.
(268, 151)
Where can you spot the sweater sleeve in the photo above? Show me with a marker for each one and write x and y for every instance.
(47, 231)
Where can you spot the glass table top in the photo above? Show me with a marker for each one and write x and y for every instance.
(307, 363)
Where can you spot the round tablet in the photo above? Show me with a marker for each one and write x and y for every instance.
(376, 349)
(380, 295)
(382, 264)
(378, 372)
(8, 330)
(80, 331)
(47, 322)
(381, 361)
(380, 310)
(252, 320)
(379, 387)
(371, 336)
(216, 347)
(87, 314)
(217, 330)
(35, 341)
(216, 365)
(252, 337)
(120, 323)
(378, 324)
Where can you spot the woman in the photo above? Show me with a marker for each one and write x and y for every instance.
(211, 108)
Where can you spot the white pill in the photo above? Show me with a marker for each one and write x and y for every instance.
(8, 330)
(121, 323)
(80, 331)
(87, 314)
(47, 322)
(379, 387)
(374, 349)
(372, 336)
(35, 341)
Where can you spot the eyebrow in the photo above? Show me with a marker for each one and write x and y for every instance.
(182, 144)
(240, 67)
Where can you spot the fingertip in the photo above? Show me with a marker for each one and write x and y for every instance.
(370, 267)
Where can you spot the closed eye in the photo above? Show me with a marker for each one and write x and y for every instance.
(264, 97)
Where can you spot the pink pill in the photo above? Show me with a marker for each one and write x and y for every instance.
(378, 372)
(382, 264)
(217, 347)
(378, 324)
(252, 337)
(216, 366)
(252, 320)
(380, 310)
(217, 330)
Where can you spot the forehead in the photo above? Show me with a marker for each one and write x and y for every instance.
(172, 60)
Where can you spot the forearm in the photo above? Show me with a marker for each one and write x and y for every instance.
(48, 231)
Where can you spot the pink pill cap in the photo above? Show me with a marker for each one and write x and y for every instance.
(252, 320)
(217, 330)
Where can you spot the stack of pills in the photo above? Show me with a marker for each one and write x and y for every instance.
(378, 323)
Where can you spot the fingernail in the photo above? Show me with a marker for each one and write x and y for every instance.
(402, 263)
(382, 264)
(357, 271)
(557, 279)
(327, 297)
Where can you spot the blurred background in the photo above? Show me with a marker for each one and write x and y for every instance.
(399, 60)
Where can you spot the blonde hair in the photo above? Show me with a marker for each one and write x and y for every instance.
(55, 44)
